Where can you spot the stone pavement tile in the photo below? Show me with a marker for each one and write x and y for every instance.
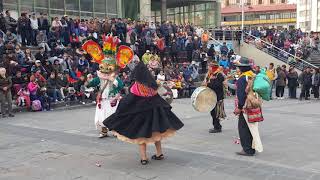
(281, 177)
(315, 177)
(209, 174)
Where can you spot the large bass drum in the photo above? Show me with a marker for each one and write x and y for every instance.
(166, 93)
(203, 99)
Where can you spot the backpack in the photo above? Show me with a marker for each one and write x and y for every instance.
(262, 86)
(36, 105)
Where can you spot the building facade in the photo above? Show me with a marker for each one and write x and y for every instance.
(308, 13)
(76, 8)
(205, 13)
(258, 13)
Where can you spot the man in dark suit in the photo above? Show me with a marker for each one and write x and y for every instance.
(43, 23)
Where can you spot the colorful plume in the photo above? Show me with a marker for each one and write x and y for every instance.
(94, 50)
(124, 56)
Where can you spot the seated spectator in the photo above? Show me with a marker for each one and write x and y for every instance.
(224, 49)
(2, 50)
(161, 77)
(38, 93)
(19, 81)
(154, 64)
(83, 64)
(53, 88)
(29, 57)
(57, 68)
(42, 41)
(224, 62)
(74, 40)
(41, 55)
(40, 79)
(63, 83)
(23, 97)
(79, 86)
(168, 72)
(38, 67)
(20, 55)
(10, 37)
(48, 67)
(82, 37)
(146, 57)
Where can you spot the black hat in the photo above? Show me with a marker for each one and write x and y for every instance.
(243, 62)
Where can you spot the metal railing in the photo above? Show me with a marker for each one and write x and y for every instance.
(218, 35)
(276, 52)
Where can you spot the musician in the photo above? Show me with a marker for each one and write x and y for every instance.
(247, 135)
(214, 81)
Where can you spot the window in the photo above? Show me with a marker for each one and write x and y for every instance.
(86, 5)
(42, 3)
(263, 17)
(112, 6)
(285, 15)
(27, 3)
(56, 4)
(10, 1)
(271, 1)
(72, 5)
(293, 15)
(260, 1)
(283, 1)
(200, 7)
(100, 6)
(230, 18)
(271, 16)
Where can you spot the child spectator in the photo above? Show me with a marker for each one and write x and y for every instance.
(18, 81)
(53, 88)
(23, 97)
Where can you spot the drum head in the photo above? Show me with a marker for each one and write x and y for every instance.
(204, 99)
(166, 93)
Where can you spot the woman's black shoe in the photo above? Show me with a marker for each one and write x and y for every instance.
(155, 157)
(144, 162)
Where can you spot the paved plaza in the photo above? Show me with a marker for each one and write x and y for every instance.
(62, 145)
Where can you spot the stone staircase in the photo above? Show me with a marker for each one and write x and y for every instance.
(315, 58)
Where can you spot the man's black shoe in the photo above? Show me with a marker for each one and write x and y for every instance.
(11, 115)
(242, 153)
(215, 130)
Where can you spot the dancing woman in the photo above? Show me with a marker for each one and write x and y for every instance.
(143, 117)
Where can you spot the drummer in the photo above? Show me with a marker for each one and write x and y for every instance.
(214, 81)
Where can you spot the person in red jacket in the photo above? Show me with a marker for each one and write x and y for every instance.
(74, 40)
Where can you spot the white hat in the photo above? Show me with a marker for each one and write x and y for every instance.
(147, 51)
(38, 61)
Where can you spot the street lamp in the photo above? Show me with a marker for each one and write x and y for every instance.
(242, 14)
(242, 19)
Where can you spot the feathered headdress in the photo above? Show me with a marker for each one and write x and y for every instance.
(110, 55)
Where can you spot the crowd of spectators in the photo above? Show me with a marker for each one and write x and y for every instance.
(291, 44)
(46, 64)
